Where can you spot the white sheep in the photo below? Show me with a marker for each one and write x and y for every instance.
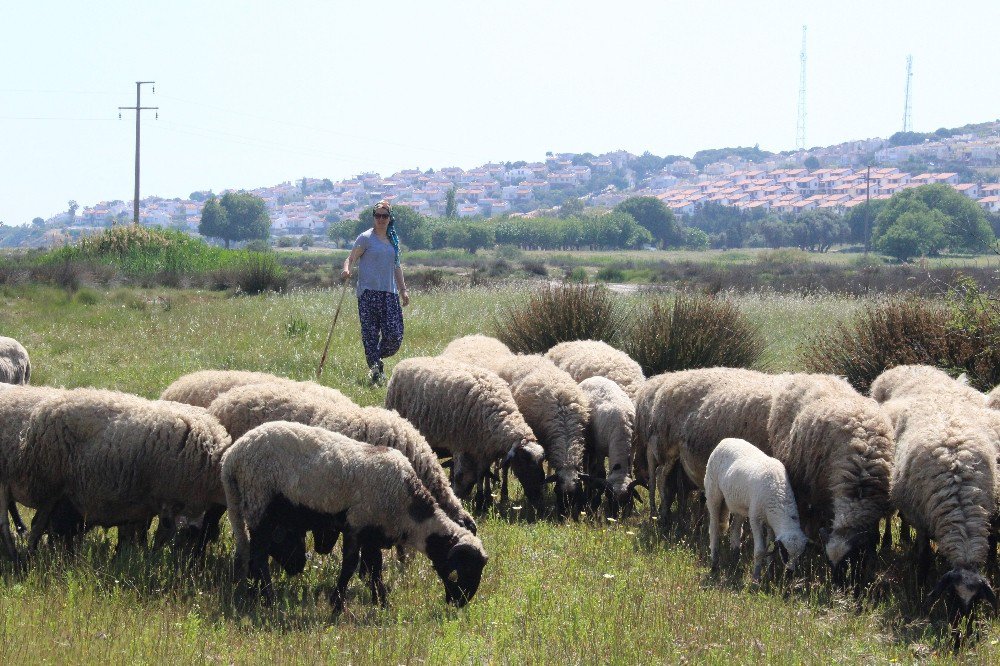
(202, 387)
(944, 484)
(912, 380)
(15, 366)
(284, 473)
(246, 407)
(610, 436)
(837, 446)
(471, 413)
(743, 481)
(481, 350)
(583, 359)
(118, 459)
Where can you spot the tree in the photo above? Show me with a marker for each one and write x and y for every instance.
(912, 234)
(306, 241)
(695, 239)
(817, 230)
(861, 220)
(239, 216)
(200, 195)
(811, 163)
(571, 207)
(449, 206)
(38, 223)
(72, 210)
(776, 232)
(654, 215)
(965, 225)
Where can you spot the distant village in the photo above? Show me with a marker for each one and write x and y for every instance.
(779, 183)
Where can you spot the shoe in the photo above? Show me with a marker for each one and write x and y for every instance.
(376, 374)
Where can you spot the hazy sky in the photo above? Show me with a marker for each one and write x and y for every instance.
(255, 93)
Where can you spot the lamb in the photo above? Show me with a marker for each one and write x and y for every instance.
(118, 459)
(481, 350)
(583, 359)
(684, 415)
(743, 481)
(471, 413)
(244, 408)
(610, 435)
(202, 387)
(15, 366)
(557, 410)
(944, 483)
(912, 380)
(323, 479)
(837, 446)
(16, 405)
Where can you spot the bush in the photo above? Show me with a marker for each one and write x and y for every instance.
(534, 267)
(555, 314)
(578, 275)
(259, 272)
(611, 274)
(962, 337)
(693, 331)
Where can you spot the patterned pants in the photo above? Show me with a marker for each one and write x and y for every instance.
(381, 324)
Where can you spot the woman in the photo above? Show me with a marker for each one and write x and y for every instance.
(380, 289)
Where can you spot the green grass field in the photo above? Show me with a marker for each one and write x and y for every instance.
(590, 592)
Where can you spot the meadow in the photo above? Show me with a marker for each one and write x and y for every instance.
(594, 591)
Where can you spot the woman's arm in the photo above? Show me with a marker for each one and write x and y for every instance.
(401, 285)
(351, 258)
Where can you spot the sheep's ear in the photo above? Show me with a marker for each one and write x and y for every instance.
(453, 576)
(446, 464)
(942, 585)
(551, 478)
(987, 593)
(782, 551)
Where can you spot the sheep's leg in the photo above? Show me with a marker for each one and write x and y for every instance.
(652, 493)
(718, 516)
(5, 534)
(923, 558)
(15, 516)
(39, 524)
(735, 533)
(759, 547)
(904, 531)
(666, 492)
(259, 569)
(352, 555)
(887, 535)
(371, 555)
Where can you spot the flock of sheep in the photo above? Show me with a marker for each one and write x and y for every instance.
(804, 457)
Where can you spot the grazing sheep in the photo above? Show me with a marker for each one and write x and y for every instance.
(684, 415)
(470, 412)
(583, 359)
(557, 410)
(281, 473)
(944, 484)
(16, 405)
(15, 366)
(246, 407)
(481, 350)
(118, 459)
(202, 387)
(912, 380)
(610, 436)
(742, 480)
(837, 446)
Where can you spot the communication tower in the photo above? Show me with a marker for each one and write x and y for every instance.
(907, 120)
(800, 127)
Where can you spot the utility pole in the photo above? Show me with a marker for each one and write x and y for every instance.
(907, 120)
(868, 208)
(138, 108)
(800, 128)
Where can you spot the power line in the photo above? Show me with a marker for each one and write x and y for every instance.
(48, 118)
(253, 142)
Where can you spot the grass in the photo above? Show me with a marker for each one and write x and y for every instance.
(587, 592)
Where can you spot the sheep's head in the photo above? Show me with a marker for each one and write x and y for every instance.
(968, 587)
(466, 520)
(463, 571)
(525, 459)
(790, 547)
(465, 473)
(848, 546)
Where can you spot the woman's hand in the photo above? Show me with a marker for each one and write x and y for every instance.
(345, 274)
(404, 296)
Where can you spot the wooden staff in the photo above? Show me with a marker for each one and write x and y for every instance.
(322, 361)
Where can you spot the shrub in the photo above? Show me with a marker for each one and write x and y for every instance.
(430, 278)
(555, 314)
(611, 274)
(534, 267)
(962, 337)
(578, 275)
(500, 269)
(259, 272)
(693, 331)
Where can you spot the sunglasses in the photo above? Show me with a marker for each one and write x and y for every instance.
(381, 216)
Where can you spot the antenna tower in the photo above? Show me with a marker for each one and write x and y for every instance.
(800, 127)
(907, 120)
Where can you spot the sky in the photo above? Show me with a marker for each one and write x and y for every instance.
(257, 93)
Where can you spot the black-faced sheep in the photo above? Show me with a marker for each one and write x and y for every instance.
(609, 436)
(592, 358)
(283, 473)
(471, 413)
(837, 446)
(743, 481)
(15, 366)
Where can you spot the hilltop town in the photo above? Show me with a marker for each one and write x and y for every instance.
(834, 177)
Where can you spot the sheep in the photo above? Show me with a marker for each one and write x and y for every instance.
(481, 350)
(470, 412)
(16, 405)
(15, 366)
(944, 483)
(557, 410)
(583, 359)
(118, 459)
(742, 480)
(610, 435)
(321, 478)
(684, 415)
(246, 407)
(837, 446)
(912, 380)
(202, 387)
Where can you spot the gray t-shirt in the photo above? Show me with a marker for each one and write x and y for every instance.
(377, 265)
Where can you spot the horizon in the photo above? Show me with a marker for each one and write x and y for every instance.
(328, 91)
